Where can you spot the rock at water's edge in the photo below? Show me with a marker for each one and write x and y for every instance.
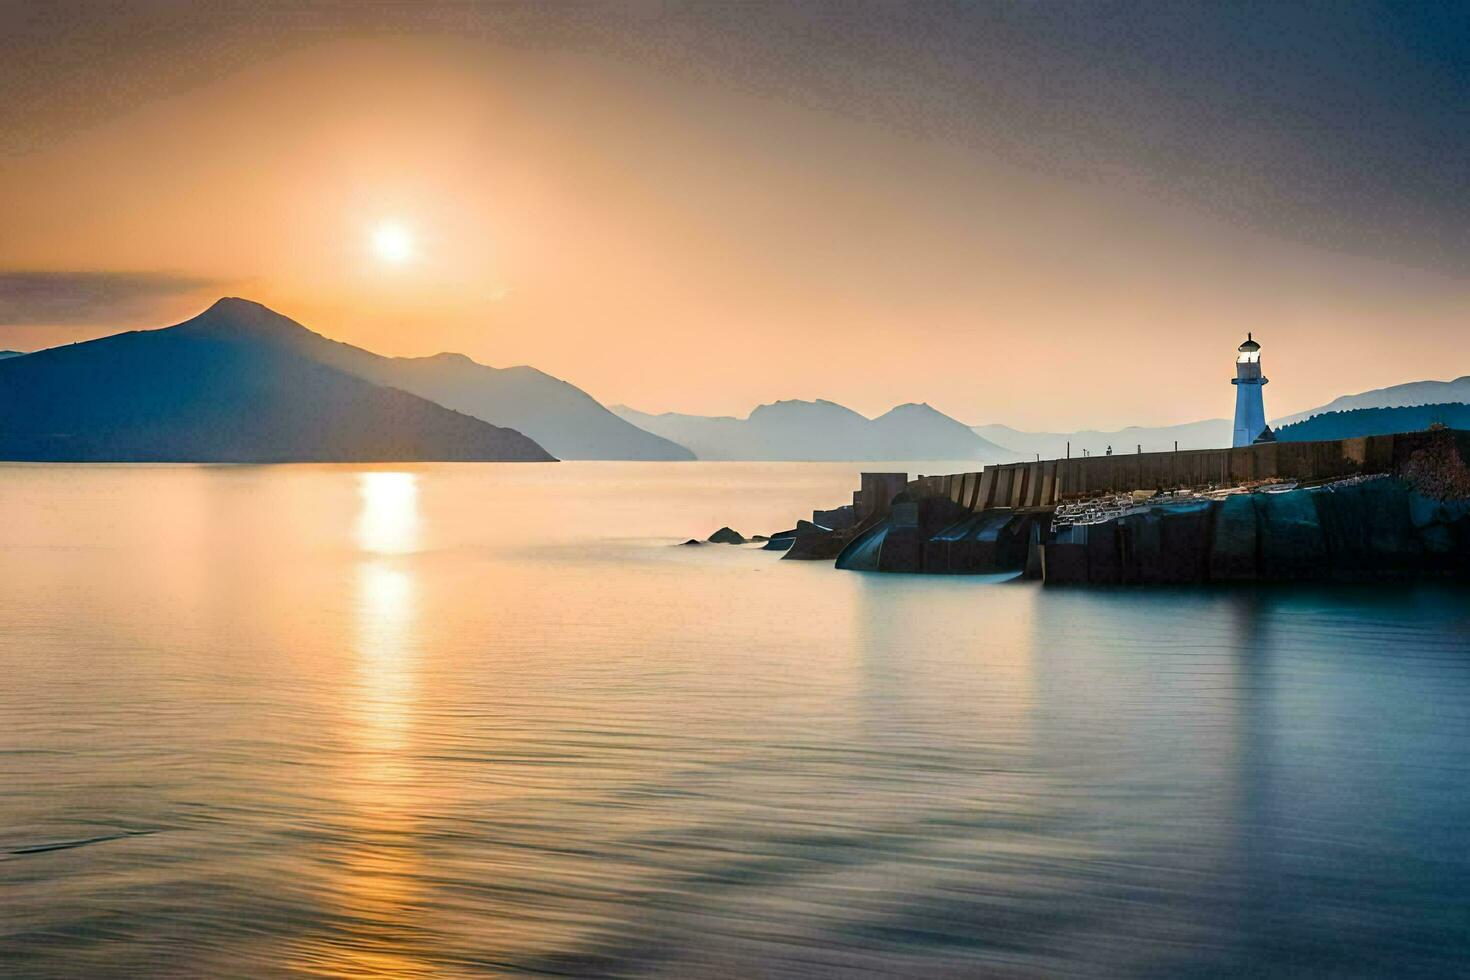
(727, 535)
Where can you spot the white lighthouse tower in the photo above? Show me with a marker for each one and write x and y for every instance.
(1250, 412)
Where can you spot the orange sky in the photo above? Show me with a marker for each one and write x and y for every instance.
(695, 246)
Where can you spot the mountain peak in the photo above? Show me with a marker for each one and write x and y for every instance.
(797, 407)
(237, 315)
(824, 430)
(237, 383)
(236, 304)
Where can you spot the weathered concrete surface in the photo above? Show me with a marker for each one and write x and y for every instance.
(862, 553)
(1159, 546)
(991, 541)
(1415, 522)
(1378, 529)
(780, 541)
(1233, 544)
(1370, 527)
(1104, 558)
(838, 518)
(1064, 563)
(903, 548)
(936, 535)
(1291, 541)
(815, 543)
(1033, 568)
(1045, 483)
(878, 491)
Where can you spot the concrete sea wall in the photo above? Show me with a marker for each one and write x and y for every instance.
(1049, 482)
(1370, 530)
(1375, 507)
(1376, 529)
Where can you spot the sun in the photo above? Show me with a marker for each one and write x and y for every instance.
(392, 242)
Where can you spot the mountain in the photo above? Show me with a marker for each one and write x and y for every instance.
(564, 419)
(10, 353)
(919, 431)
(1209, 434)
(231, 385)
(1375, 422)
(820, 430)
(1395, 396)
(1217, 433)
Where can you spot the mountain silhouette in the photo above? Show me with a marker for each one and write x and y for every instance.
(10, 353)
(561, 417)
(1394, 396)
(1375, 422)
(1208, 434)
(233, 384)
(1216, 433)
(821, 430)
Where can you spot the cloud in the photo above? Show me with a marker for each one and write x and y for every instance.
(90, 296)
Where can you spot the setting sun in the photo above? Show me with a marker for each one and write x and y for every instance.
(393, 243)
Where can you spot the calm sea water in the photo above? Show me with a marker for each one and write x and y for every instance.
(460, 720)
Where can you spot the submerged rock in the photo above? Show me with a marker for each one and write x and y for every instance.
(727, 535)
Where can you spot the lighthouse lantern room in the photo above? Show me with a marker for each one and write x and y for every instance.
(1250, 412)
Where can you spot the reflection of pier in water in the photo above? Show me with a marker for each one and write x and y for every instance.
(1160, 748)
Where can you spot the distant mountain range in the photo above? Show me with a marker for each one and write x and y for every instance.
(242, 383)
(234, 384)
(1217, 433)
(821, 430)
(1375, 422)
(564, 419)
(1395, 396)
(1209, 434)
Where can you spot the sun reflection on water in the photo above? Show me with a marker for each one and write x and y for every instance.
(388, 518)
(376, 868)
(385, 655)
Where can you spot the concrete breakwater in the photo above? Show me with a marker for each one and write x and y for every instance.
(1047, 483)
(1356, 530)
(1378, 507)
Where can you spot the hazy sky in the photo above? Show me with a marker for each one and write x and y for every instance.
(1048, 214)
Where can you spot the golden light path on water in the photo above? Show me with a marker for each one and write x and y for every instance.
(388, 515)
(377, 887)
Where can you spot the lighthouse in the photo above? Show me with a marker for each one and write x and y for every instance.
(1250, 412)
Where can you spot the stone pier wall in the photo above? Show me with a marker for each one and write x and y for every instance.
(1366, 531)
(1049, 482)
